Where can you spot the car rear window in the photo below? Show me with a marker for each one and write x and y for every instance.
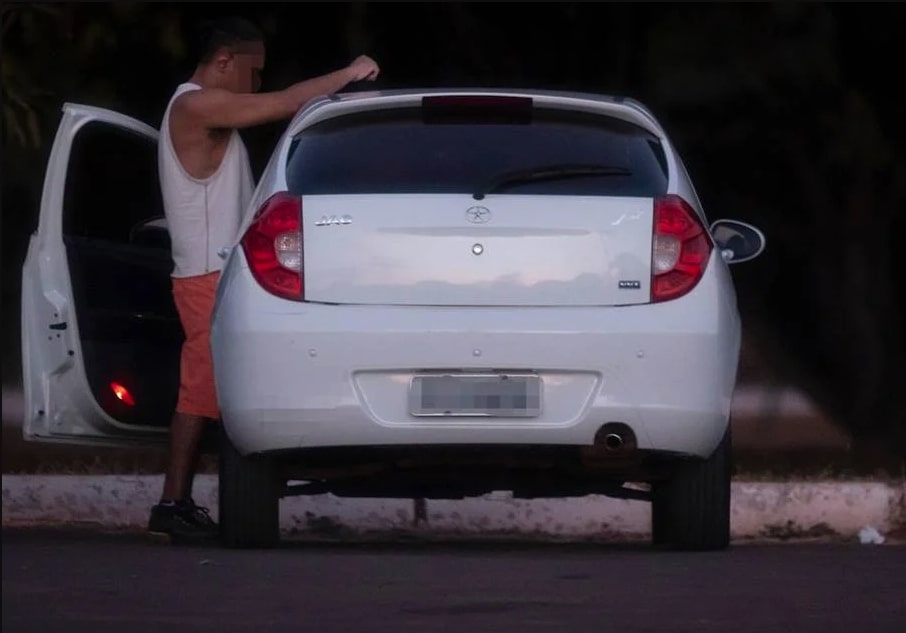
(461, 149)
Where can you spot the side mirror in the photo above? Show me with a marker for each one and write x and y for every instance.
(737, 241)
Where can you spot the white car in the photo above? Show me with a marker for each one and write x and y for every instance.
(434, 294)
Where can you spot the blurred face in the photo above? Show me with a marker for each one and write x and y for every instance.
(240, 66)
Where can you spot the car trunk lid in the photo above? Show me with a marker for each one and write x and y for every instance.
(453, 250)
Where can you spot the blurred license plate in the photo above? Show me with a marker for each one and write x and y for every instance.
(497, 395)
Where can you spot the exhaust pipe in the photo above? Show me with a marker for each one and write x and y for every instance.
(615, 437)
(614, 445)
(613, 441)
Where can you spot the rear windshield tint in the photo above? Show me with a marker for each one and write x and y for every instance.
(415, 150)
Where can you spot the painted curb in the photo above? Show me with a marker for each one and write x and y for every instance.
(759, 509)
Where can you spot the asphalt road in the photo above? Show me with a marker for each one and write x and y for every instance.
(64, 580)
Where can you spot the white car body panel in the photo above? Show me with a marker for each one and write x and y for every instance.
(527, 250)
(324, 375)
(59, 405)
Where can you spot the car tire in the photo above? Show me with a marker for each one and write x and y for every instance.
(691, 510)
(249, 499)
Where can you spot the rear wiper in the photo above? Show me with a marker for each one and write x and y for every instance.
(548, 172)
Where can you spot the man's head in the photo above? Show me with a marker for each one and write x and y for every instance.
(231, 53)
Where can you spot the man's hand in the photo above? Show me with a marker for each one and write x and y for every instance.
(363, 67)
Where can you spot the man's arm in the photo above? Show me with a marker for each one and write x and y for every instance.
(218, 108)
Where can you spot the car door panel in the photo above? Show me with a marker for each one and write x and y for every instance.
(101, 336)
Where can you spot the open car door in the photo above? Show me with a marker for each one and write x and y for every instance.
(100, 333)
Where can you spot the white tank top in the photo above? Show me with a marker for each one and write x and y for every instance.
(203, 216)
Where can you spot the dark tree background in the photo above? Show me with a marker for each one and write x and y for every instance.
(784, 113)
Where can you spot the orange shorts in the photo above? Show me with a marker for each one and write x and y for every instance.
(194, 298)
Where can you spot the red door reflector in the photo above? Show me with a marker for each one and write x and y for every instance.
(122, 393)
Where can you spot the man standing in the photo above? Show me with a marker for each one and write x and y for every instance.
(207, 183)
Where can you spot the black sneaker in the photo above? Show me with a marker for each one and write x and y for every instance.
(182, 519)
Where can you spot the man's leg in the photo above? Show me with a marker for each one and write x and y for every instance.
(185, 438)
(177, 514)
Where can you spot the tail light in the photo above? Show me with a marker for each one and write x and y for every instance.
(273, 246)
(680, 249)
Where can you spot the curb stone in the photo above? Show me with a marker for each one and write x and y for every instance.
(759, 510)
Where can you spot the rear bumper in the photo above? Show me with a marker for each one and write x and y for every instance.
(299, 375)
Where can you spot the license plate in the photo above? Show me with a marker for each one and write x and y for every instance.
(479, 395)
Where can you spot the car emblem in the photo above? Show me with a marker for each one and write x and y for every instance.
(334, 220)
(478, 215)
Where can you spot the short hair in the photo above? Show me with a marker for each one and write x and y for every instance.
(224, 32)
